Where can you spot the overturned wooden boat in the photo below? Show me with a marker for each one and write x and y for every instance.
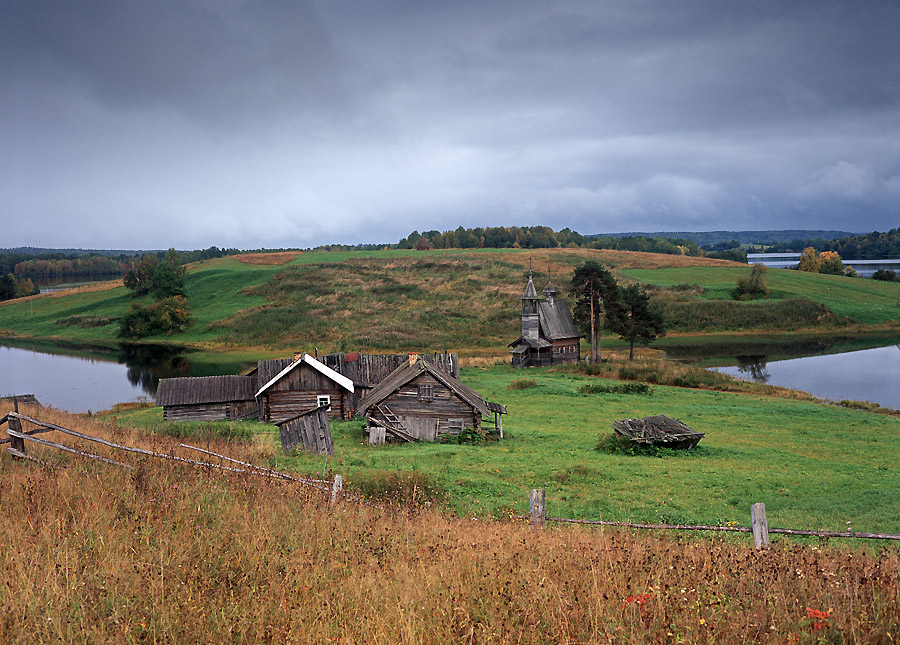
(658, 430)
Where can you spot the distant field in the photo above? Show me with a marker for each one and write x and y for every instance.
(868, 302)
(394, 298)
(457, 300)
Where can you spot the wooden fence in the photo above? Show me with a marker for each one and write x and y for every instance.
(759, 526)
(17, 439)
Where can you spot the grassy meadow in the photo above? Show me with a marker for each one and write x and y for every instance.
(173, 553)
(815, 466)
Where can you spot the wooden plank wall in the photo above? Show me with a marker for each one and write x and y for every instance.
(444, 406)
(370, 369)
(198, 412)
(311, 431)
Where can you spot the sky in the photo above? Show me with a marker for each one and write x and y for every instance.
(295, 123)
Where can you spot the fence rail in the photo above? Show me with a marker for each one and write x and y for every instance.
(759, 524)
(17, 439)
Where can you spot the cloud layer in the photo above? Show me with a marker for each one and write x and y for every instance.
(283, 123)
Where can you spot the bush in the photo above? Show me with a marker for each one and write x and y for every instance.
(886, 275)
(168, 316)
(629, 387)
(406, 487)
(753, 286)
(522, 384)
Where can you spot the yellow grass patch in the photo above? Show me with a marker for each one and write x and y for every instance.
(270, 259)
(94, 287)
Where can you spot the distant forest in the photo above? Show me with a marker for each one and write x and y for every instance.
(871, 246)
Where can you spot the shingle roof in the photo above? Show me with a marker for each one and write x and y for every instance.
(405, 373)
(556, 320)
(530, 290)
(205, 389)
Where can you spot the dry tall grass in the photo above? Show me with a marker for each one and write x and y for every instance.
(168, 553)
(272, 259)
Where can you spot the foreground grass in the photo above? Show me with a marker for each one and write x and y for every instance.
(166, 553)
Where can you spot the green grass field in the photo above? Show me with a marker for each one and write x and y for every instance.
(868, 302)
(815, 466)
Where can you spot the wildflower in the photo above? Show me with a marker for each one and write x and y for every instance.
(819, 618)
(639, 599)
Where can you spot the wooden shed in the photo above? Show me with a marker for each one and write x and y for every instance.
(309, 430)
(207, 398)
(419, 402)
(299, 386)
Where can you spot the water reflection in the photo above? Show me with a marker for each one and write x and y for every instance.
(754, 367)
(146, 364)
(866, 375)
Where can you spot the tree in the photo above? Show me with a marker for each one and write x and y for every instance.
(168, 277)
(8, 287)
(830, 263)
(138, 279)
(753, 286)
(640, 319)
(596, 292)
(809, 260)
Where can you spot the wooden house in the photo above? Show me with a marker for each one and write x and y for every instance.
(419, 402)
(368, 370)
(293, 386)
(207, 398)
(549, 335)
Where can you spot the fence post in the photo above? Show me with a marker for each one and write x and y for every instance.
(760, 525)
(337, 488)
(536, 503)
(14, 442)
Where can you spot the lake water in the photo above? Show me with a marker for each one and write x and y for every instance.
(95, 379)
(867, 375)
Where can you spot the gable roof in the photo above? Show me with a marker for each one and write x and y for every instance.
(405, 373)
(556, 320)
(306, 359)
(191, 390)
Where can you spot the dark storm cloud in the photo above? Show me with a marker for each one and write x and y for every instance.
(191, 123)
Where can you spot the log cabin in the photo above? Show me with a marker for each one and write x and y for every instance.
(419, 402)
(301, 385)
(207, 398)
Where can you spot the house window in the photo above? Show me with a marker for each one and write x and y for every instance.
(426, 392)
(323, 399)
(454, 426)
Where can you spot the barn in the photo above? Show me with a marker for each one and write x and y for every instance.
(207, 398)
(292, 387)
(419, 402)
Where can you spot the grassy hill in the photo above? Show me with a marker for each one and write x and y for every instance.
(458, 300)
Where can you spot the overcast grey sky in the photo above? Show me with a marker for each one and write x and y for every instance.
(188, 123)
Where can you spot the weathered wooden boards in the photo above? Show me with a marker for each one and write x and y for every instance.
(309, 430)
(658, 430)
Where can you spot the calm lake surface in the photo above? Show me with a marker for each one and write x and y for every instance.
(96, 379)
(866, 375)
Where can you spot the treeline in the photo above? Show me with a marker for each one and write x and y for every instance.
(78, 267)
(541, 237)
(80, 264)
(871, 246)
